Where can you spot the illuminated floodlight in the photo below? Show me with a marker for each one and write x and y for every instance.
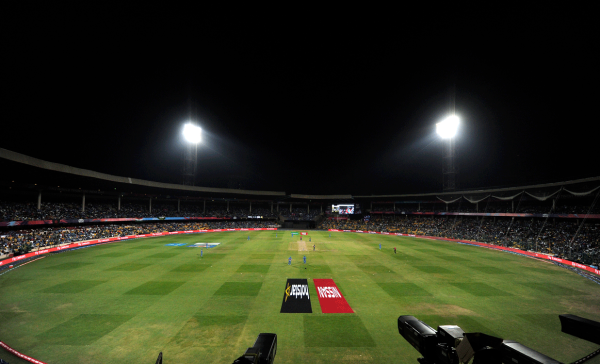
(447, 127)
(192, 133)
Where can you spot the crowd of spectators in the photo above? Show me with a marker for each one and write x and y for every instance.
(383, 208)
(576, 209)
(11, 211)
(543, 235)
(526, 207)
(300, 213)
(15, 211)
(547, 236)
(22, 241)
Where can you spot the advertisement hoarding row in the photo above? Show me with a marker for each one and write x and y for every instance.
(491, 246)
(120, 238)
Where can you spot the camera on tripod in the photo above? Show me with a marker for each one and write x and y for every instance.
(449, 344)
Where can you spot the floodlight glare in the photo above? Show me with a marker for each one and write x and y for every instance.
(192, 133)
(447, 127)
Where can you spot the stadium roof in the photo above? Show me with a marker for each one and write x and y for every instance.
(55, 167)
(494, 190)
(39, 174)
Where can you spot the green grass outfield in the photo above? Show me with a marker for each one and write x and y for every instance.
(125, 302)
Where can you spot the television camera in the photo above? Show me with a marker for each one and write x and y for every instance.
(449, 344)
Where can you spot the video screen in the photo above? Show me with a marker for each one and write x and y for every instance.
(343, 209)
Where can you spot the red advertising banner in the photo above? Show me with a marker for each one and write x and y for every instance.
(496, 214)
(121, 219)
(303, 233)
(490, 246)
(330, 297)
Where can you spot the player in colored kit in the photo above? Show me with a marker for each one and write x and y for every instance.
(309, 239)
(248, 237)
(201, 252)
(379, 246)
(313, 247)
(290, 261)
(394, 250)
(305, 259)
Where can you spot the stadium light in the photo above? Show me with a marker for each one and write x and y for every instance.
(447, 128)
(192, 133)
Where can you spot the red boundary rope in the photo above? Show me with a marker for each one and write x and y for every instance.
(22, 356)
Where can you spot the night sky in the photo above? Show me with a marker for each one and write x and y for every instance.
(318, 102)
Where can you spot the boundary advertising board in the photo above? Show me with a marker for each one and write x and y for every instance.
(490, 246)
(119, 238)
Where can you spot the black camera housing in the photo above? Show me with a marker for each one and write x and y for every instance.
(445, 345)
(514, 352)
(263, 351)
(420, 335)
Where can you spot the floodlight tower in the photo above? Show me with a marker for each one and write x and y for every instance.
(193, 135)
(446, 129)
